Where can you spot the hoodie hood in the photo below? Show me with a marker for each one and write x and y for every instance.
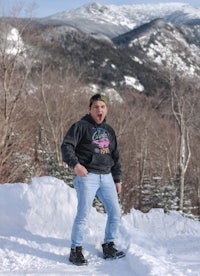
(89, 119)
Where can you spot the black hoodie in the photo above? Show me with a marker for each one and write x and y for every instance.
(92, 145)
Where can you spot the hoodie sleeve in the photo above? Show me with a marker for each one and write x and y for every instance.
(116, 169)
(69, 144)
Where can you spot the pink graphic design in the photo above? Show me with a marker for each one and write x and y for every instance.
(102, 143)
(101, 139)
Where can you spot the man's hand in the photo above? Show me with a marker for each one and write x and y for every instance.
(118, 187)
(80, 170)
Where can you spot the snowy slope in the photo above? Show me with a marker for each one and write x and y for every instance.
(113, 20)
(35, 227)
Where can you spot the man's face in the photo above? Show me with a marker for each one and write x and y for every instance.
(98, 111)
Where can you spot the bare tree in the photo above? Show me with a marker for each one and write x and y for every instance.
(183, 103)
(14, 76)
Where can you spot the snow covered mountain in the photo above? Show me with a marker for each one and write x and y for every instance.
(117, 47)
(113, 20)
(146, 38)
(163, 45)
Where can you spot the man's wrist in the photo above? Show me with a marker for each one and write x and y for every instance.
(118, 180)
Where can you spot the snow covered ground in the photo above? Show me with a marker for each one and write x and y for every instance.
(35, 227)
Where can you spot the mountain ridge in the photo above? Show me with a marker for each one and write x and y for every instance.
(124, 18)
(139, 54)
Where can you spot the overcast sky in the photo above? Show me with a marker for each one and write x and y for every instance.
(47, 7)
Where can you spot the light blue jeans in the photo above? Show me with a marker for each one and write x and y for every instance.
(87, 187)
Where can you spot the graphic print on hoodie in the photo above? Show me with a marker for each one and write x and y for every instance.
(101, 139)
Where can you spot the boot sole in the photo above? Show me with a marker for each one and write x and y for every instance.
(78, 264)
(121, 255)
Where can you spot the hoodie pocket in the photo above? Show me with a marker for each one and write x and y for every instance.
(101, 161)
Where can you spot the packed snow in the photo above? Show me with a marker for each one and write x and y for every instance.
(15, 44)
(35, 228)
(131, 81)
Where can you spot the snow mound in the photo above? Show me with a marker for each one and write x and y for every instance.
(35, 228)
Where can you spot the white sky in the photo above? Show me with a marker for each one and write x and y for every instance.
(48, 7)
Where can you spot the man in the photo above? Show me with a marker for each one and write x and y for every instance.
(90, 148)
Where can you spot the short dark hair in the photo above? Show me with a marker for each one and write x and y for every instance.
(98, 97)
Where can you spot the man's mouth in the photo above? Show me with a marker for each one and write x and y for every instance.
(99, 116)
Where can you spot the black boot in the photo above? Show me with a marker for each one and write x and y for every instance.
(76, 256)
(110, 252)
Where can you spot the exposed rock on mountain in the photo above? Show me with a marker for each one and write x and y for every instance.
(131, 46)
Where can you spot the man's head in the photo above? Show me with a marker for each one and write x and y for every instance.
(98, 97)
(98, 107)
